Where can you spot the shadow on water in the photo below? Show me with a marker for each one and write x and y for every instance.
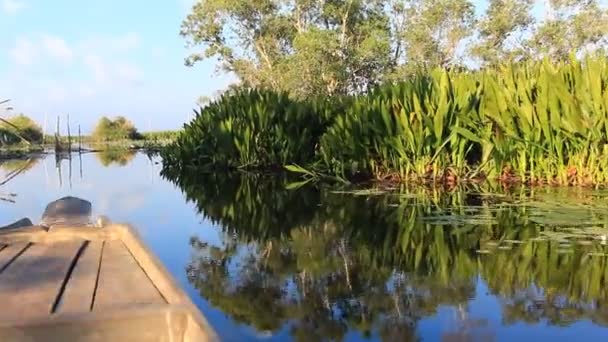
(323, 264)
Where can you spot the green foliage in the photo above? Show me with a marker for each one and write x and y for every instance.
(252, 128)
(572, 26)
(311, 48)
(303, 47)
(117, 129)
(503, 24)
(404, 128)
(534, 122)
(434, 31)
(20, 128)
(160, 135)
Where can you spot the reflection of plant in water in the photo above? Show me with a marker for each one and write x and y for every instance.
(542, 280)
(13, 168)
(326, 263)
(118, 156)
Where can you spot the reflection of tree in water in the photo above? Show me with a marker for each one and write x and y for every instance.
(326, 263)
(116, 156)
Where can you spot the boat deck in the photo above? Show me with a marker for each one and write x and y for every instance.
(90, 284)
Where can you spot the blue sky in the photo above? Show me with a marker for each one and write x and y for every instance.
(103, 57)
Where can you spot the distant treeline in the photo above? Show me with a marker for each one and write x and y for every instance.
(22, 130)
(534, 122)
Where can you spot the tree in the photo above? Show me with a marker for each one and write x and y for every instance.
(119, 128)
(571, 26)
(501, 30)
(430, 32)
(305, 47)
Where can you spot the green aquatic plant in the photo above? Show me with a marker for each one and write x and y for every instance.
(535, 122)
(250, 129)
(405, 129)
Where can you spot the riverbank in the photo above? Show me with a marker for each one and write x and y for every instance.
(149, 142)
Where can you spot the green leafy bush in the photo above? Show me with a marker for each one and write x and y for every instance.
(252, 128)
(535, 122)
(117, 129)
(406, 128)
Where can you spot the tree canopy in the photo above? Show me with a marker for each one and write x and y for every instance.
(115, 129)
(311, 47)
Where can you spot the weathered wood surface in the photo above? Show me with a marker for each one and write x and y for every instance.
(90, 284)
(122, 281)
(78, 294)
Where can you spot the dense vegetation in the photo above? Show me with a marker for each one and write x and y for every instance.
(306, 258)
(251, 129)
(534, 122)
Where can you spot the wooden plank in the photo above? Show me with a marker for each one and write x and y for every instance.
(80, 288)
(55, 234)
(8, 253)
(31, 284)
(198, 327)
(122, 281)
(135, 324)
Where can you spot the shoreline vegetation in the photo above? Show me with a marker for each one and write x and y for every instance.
(21, 137)
(149, 142)
(534, 123)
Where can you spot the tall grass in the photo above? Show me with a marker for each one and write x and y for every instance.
(534, 122)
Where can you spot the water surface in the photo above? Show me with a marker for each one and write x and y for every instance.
(265, 259)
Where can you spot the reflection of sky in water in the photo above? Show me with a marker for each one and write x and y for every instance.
(136, 194)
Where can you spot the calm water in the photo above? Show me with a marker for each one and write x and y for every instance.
(265, 260)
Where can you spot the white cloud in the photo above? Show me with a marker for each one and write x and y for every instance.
(24, 52)
(57, 48)
(27, 51)
(12, 7)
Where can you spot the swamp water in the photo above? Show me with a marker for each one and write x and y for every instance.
(266, 260)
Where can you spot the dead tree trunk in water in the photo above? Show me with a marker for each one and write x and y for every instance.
(57, 143)
(79, 140)
(69, 137)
